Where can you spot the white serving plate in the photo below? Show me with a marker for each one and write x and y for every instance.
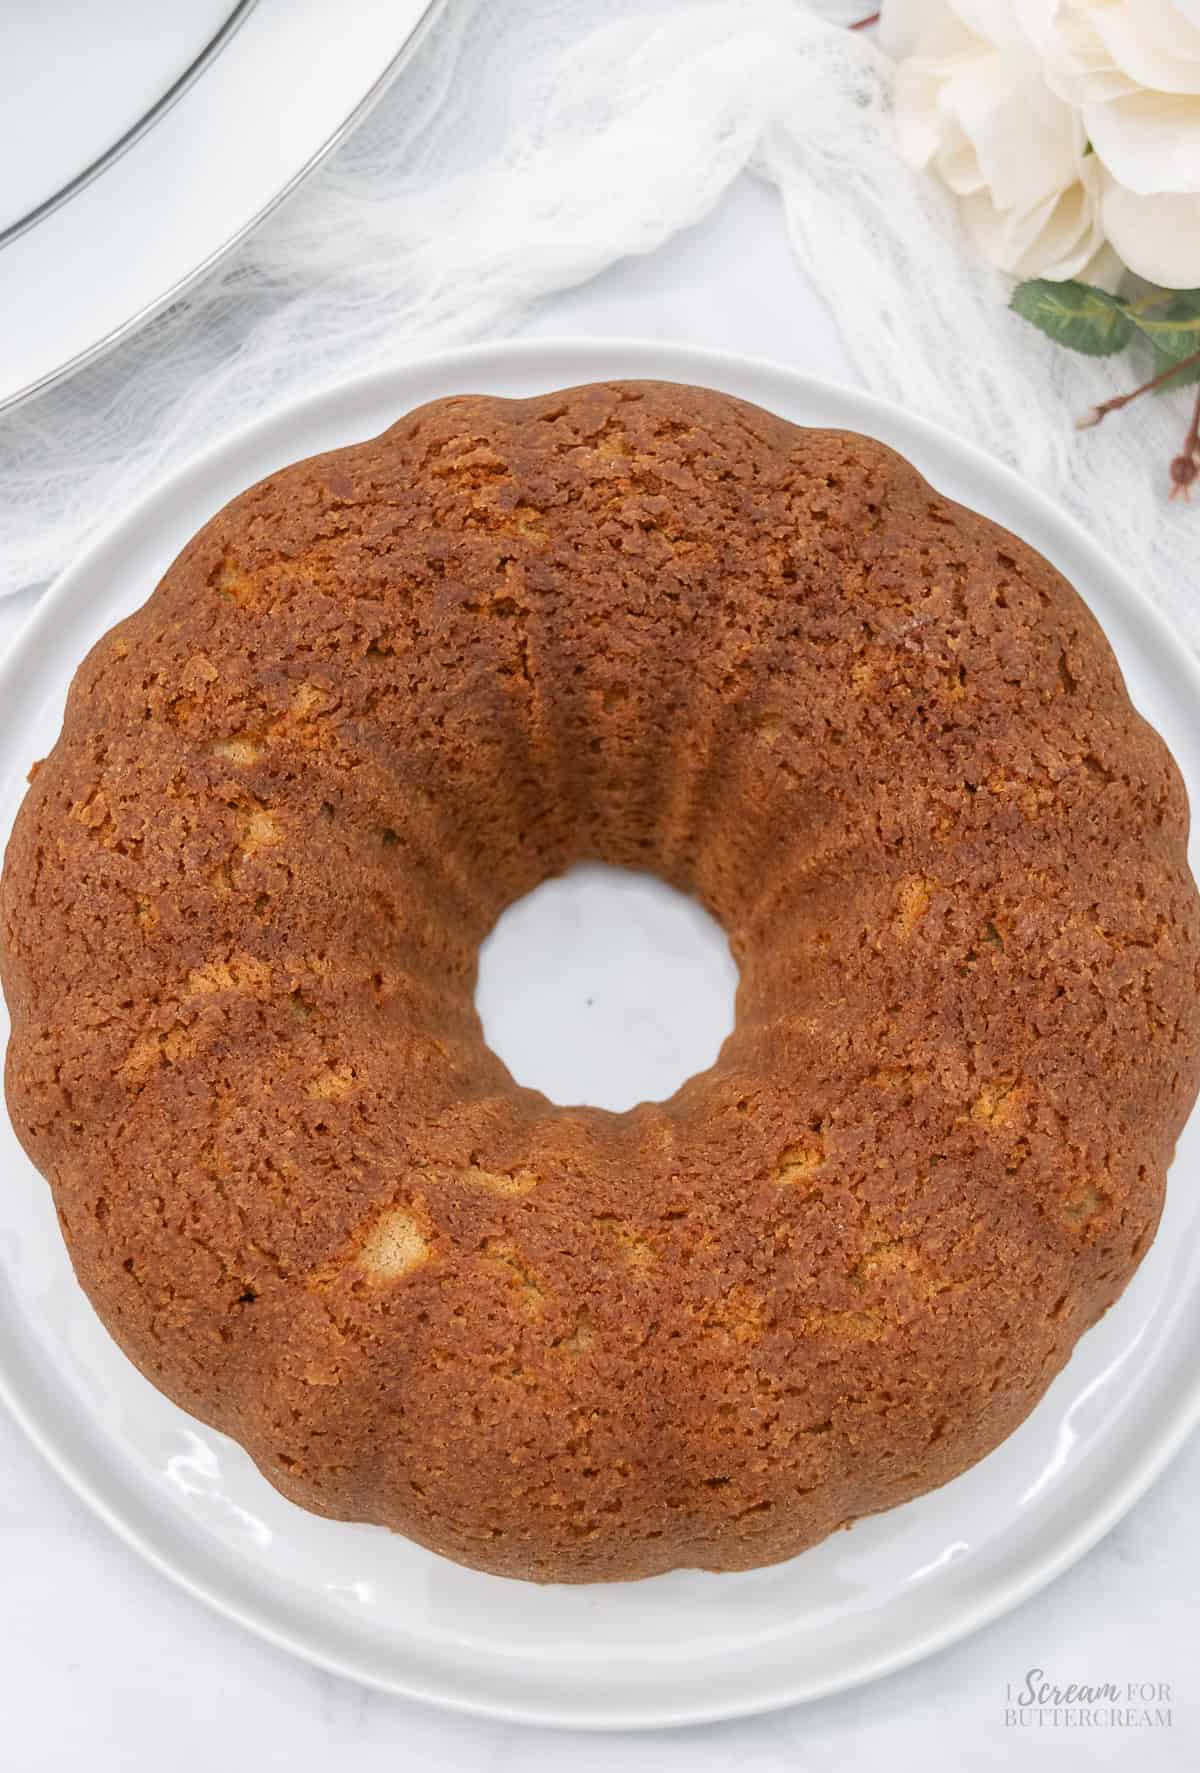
(140, 141)
(681, 1648)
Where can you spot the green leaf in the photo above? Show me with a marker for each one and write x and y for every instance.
(1174, 331)
(1186, 378)
(1075, 314)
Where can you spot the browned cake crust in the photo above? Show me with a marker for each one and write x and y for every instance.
(387, 691)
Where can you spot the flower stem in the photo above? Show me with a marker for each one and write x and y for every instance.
(1101, 412)
(1185, 469)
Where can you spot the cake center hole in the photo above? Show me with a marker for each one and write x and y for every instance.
(606, 987)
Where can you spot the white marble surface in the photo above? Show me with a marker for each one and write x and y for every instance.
(104, 1666)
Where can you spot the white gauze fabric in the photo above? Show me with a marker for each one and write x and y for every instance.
(529, 144)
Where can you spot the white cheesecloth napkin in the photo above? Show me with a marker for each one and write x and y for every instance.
(531, 143)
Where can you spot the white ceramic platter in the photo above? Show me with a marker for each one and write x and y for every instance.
(681, 1648)
(117, 191)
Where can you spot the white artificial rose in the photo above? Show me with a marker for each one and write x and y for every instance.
(1132, 70)
(971, 104)
(1061, 124)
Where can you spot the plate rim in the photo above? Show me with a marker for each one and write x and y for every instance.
(655, 359)
(138, 136)
(129, 138)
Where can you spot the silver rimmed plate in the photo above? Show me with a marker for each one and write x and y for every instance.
(681, 1648)
(139, 142)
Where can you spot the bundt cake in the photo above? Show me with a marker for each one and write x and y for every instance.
(390, 689)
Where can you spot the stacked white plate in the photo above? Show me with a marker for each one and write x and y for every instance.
(140, 141)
